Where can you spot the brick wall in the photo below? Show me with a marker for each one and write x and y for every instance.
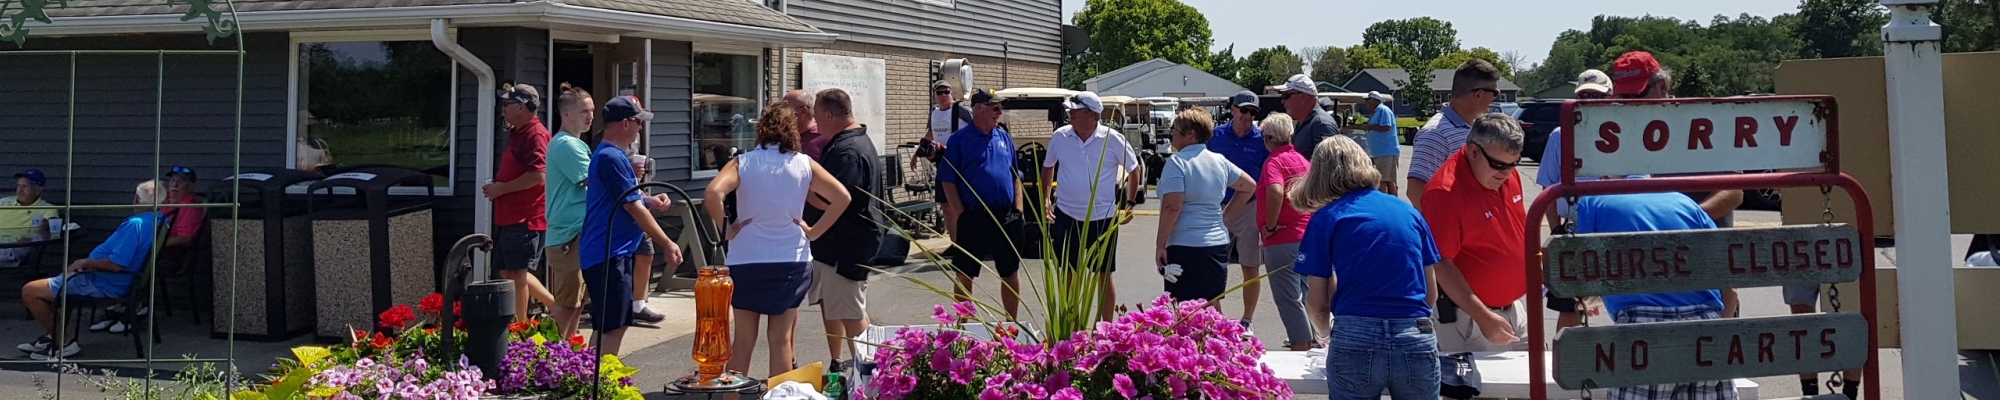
(909, 93)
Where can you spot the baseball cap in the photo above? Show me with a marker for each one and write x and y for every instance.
(1631, 72)
(985, 96)
(34, 176)
(1302, 84)
(1084, 100)
(1244, 99)
(522, 93)
(184, 172)
(1374, 95)
(941, 84)
(1594, 80)
(625, 107)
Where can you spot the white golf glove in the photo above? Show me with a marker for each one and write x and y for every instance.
(1172, 273)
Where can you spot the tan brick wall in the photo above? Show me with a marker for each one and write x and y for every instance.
(909, 95)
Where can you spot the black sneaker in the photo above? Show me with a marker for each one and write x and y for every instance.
(41, 344)
(648, 316)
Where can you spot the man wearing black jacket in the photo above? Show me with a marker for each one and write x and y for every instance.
(840, 257)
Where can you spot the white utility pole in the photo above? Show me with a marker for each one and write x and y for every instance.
(1911, 45)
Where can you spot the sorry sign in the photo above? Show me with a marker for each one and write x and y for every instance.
(1699, 135)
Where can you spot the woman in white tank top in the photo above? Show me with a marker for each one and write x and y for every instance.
(770, 256)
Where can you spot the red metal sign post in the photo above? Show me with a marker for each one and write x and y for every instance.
(1718, 137)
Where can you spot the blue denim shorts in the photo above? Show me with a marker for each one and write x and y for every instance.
(1370, 356)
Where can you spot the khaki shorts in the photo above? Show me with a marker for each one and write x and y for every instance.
(1244, 234)
(1464, 335)
(565, 274)
(1390, 167)
(839, 298)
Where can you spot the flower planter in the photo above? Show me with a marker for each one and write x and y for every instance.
(534, 396)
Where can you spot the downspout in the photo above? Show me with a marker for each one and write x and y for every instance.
(482, 214)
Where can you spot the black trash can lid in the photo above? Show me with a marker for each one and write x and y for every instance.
(490, 287)
(264, 180)
(373, 179)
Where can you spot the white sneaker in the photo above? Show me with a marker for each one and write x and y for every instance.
(113, 326)
(41, 344)
(58, 354)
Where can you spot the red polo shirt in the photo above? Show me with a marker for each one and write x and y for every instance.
(1479, 229)
(527, 151)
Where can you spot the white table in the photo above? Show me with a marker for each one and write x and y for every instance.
(1502, 375)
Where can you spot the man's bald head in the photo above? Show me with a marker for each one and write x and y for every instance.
(802, 105)
(799, 98)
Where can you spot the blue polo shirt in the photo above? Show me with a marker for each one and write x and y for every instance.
(1377, 245)
(129, 247)
(1247, 152)
(982, 165)
(1383, 143)
(1646, 212)
(605, 222)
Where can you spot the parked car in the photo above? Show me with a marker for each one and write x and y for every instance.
(1537, 120)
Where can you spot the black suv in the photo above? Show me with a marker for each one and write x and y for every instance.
(1537, 120)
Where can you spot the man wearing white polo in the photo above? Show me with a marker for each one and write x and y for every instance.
(1084, 161)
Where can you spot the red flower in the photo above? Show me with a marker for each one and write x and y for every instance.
(431, 330)
(519, 327)
(359, 337)
(432, 303)
(382, 342)
(397, 317)
(458, 325)
(576, 340)
(455, 308)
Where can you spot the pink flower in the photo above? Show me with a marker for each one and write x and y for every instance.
(1123, 384)
(1068, 393)
(965, 309)
(938, 313)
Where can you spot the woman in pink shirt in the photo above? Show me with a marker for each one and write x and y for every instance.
(1283, 227)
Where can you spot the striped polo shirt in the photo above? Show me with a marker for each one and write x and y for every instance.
(1443, 135)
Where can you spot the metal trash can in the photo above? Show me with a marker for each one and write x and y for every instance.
(371, 250)
(272, 270)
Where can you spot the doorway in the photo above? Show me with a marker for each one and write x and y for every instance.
(575, 64)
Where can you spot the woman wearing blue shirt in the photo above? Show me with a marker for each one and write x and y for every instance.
(1367, 259)
(1193, 245)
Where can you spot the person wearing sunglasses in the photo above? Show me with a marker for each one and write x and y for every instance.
(977, 173)
(1474, 87)
(947, 117)
(1590, 85)
(1301, 99)
(1476, 214)
(1242, 142)
(184, 225)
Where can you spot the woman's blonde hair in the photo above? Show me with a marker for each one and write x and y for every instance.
(1197, 122)
(1277, 128)
(1339, 166)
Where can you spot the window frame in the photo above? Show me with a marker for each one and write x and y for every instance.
(694, 122)
(292, 100)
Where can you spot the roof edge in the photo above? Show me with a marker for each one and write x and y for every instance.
(636, 24)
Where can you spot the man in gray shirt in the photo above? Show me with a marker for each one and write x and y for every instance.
(1301, 97)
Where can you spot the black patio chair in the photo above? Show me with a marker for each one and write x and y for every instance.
(140, 292)
(187, 275)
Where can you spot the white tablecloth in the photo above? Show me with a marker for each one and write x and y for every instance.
(1503, 375)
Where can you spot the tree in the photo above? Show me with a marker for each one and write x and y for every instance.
(1268, 66)
(1123, 32)
(1223, 63)
(1363, 57)
(1417, 93)
(1453, 60)
(1969, 25)
(1330, 65)
(1425, 37)
(1840, 28)
(1517, 61)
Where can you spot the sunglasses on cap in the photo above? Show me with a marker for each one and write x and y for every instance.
(180, 170)
(1494, 164)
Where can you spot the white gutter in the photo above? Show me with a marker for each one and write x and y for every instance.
(530, 14)
(482, 214)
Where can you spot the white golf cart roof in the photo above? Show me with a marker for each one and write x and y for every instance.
(1351, 97)
(1117, 100)
(1035, 93)
(1160, 100)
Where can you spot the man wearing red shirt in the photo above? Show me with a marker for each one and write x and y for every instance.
(519, 206)
(1474, 208)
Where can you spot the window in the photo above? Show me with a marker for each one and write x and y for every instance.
(368, 103)
(727, 89)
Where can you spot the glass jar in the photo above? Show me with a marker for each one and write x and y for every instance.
(712, 291)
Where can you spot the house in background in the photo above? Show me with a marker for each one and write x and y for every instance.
(388, 83)
(1159, 77)
(1390, 81)
(1566, 90)
(1329, 87)
(898, 46)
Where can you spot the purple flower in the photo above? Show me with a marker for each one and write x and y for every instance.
(1123, 384)
(965, 309)
(938, 313)
(1068, 393)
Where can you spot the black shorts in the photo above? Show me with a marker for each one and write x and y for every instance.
(516, 248)
(609, 285)
(1559, 304)
(1072, 241)
(980, 237)
(1202, 272)
(937, 192)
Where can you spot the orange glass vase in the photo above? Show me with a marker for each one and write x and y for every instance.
(712, 291)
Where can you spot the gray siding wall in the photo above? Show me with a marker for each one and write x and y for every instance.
(116, 115)
(670, 141)
(1032, 29)
(520, 55)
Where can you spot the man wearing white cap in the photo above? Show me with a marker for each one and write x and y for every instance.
(1590, 85)
(1301, 99)
(1084, 161)
(1382, 144)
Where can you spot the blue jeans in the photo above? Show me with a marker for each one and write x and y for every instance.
(1368, 356)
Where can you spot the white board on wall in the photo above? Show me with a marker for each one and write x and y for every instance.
(864, 79)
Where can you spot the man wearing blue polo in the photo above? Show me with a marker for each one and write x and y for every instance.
(1383, 147)
(1649, 212)
(978, 174)
(615, 220)
(1242, 142)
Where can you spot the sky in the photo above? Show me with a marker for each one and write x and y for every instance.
(1527, 26)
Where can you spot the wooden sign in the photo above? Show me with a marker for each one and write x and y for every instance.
(1619, 138)
(1675, 261)
(1708, 350)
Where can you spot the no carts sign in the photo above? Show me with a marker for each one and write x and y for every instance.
(1693, 137)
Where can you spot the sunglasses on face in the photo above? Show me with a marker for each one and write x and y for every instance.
(941, 93)
(1490, 162)
(1495, 92)
(1591, 96)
